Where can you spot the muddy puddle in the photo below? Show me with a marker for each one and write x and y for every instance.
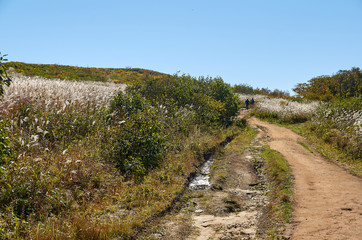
(202, 178)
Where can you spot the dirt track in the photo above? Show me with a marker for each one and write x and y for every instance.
(327, 200)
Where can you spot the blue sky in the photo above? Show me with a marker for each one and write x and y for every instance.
(264, 43)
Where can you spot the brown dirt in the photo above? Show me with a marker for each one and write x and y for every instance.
(230, 209)
(327, 200)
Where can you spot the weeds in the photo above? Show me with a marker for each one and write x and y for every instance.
(279, 210)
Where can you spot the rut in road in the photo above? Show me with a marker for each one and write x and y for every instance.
(327, 199)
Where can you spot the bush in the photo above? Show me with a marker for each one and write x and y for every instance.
(153, 116)
(211, 98)
(222, 92)
(27, 187)
(4, 80)
(141, 135)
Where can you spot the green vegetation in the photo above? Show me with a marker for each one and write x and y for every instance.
(220, 169)
(279, 210)
(85, 167)
(339, 124)
(305, 146)
(246, 89)
(4, 79)
(334, 130)
(344, 84)
(335, 125)
(4, 143)
(82, 168)
(327, 149)
(118, 75)
(154, 115)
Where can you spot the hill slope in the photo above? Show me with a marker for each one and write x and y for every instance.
(119, 75)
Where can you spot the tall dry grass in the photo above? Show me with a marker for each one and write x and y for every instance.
(340, 124)
(284, 110)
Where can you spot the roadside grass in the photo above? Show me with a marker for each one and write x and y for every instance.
(280, 181)
(242, 141)
(222, 176)
(328, 150)
(305, 146)
(219, 169)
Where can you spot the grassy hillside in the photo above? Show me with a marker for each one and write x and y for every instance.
(89, 161)
(118, 75)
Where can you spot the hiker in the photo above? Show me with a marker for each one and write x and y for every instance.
(247, 104)
(252, 103)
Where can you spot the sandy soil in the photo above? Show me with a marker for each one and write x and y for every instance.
(327, 199)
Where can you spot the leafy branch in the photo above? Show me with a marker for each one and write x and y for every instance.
(4, 78)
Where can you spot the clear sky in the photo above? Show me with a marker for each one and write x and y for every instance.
(264, 43)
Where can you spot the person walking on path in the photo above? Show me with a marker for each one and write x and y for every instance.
(247, 104)
(252, 102)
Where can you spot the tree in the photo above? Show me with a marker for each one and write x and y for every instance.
(4, 80)
(343, 84)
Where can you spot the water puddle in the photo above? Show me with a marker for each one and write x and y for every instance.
(202, 178)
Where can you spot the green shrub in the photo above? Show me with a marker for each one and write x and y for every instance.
(4, 80)
(153, 116)
(222, 92)
(211, 98)
(209, 110)
(27, 187)
(141, 135)
(241, 122)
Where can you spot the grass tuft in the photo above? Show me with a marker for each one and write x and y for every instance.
(279, 210)
(306, 147)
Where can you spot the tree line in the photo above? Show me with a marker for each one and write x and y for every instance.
(246, 89)
(343, 84)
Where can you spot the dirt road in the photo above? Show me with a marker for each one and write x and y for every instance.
(327, 200)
